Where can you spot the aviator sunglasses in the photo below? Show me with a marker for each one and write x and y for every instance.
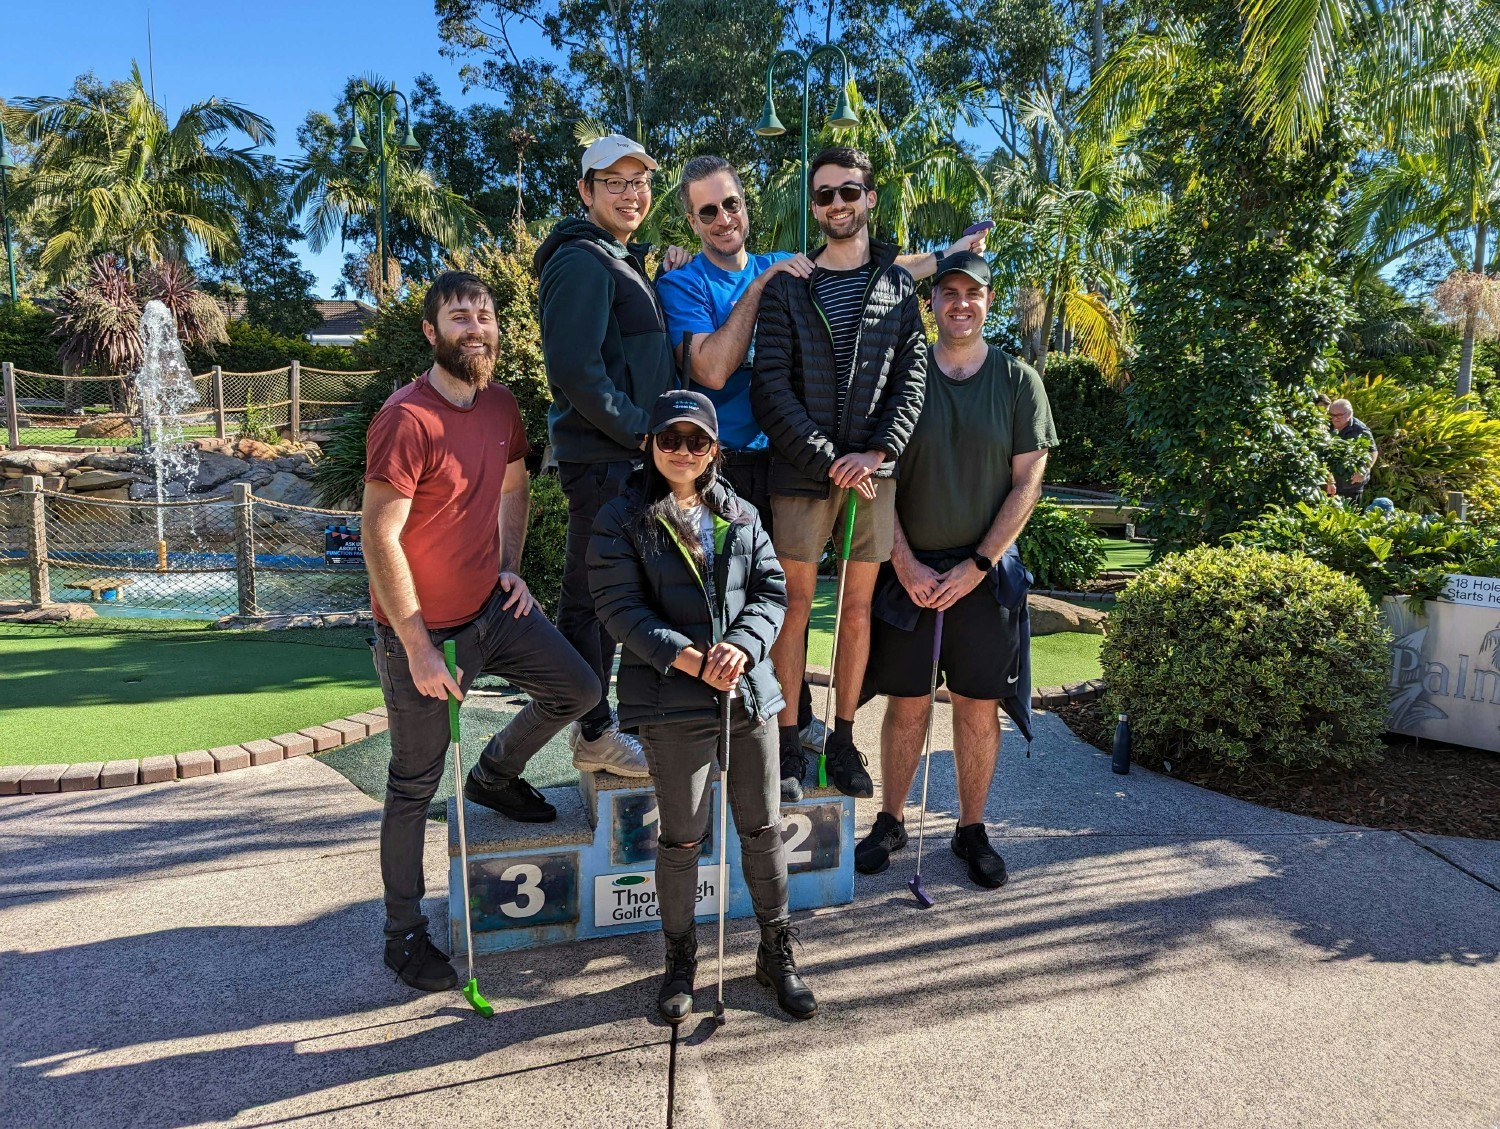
(670, 442)
(710, 212)
(848, 193)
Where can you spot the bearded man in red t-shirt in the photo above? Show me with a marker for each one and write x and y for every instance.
(445, 506)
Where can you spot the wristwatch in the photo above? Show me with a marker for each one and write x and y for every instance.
(984, 562)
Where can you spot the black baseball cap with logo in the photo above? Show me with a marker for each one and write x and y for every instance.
(683, 406)
(965, 262)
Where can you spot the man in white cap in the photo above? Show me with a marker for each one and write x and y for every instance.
(605, 344)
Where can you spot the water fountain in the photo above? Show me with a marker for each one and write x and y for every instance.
(166, 390)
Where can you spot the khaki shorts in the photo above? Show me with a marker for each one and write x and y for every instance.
(803, 525)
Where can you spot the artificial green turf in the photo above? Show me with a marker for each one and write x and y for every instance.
(84, 692)
(1122, 554)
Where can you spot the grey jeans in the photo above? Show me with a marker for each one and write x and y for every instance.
(528, 652)
(679, 754)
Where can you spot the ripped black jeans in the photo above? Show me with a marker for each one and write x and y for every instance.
(680, 755)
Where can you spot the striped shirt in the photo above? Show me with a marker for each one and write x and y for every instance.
(840, 294)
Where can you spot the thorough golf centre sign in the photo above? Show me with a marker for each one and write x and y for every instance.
(1445, 665)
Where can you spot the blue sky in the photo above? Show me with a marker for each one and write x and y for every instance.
(278, 58)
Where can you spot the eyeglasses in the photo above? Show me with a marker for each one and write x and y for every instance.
(670, 442)
(710, 212)
(615, 185)
(848, 193)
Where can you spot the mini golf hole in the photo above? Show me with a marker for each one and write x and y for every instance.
(129, 681)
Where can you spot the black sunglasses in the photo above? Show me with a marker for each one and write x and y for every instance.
(848, 193)
(710, 212)
(670, 442)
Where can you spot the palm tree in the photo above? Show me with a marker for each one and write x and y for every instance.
(111, 175)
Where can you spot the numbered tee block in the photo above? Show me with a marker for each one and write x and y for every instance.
(592, 873)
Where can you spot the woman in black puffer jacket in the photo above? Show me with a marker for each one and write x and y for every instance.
(683, 575)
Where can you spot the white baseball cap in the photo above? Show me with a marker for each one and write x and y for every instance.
(607, 150)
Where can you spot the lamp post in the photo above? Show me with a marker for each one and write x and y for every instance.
(358, 147)
(843, 115)
(6, 164)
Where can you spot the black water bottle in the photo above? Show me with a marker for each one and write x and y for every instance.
(1121, 761)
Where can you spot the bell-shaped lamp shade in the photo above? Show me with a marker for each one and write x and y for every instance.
(358, 146)
(5, 162)
(770, 125)
(409, 142)
(844, 116)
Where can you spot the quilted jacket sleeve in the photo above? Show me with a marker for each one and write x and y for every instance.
(781, 415)
(617, 580)
(759, 622)
(908, 383)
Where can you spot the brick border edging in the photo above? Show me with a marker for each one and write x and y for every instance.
(40, 779)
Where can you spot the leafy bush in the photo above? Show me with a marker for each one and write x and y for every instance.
(1090, 417)
(1430, 441)
(546, 536)
(1060, 548)
(26, 339)
(1240, 657)
(1401, 554)
(340, 474)
(253, 348)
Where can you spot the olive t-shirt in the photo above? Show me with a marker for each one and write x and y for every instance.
(955, 472)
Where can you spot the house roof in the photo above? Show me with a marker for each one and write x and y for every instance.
(341, 318)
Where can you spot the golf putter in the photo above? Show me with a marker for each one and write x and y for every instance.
(838, 616)
(471, 988)
(915, 885)
(719, 1017)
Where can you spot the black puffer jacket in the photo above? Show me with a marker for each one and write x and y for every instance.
(795, 389)
(648, 595)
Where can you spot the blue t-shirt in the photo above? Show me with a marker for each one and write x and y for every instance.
(698, 298)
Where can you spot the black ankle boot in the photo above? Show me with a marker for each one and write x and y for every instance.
(675, 1000)
(776, 968)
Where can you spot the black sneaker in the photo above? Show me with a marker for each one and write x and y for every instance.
(846, 769)
(986, 867)
(793, 769)
(873, 853)
(515, 799)
(418, 962)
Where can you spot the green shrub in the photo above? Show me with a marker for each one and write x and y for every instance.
(1240, 658)
(1090, 418)
(546, 537)
(340, 474)
(1060, 548)
(26, 339)
(253, 348)
(1402, 554)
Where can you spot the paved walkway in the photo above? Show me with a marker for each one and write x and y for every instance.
(208, 953)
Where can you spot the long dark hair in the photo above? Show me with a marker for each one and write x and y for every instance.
(659, 507)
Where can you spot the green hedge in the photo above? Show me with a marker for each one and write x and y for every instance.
(546, 537)
(1090, 418)
(1060, 548)
(26, 337)
(1243, 658)
(253, 349)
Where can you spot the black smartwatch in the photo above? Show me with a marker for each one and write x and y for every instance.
(984, 562)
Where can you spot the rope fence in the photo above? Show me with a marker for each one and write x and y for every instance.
(92, 412)
(227, 555)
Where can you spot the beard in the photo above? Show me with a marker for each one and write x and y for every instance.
(474, 369)
(846, 229)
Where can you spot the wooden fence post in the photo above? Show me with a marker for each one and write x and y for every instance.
(36, 540)
(244, 548)
(294, 394)
(218, 394)
(12, 416)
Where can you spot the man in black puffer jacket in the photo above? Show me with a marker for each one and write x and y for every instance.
(839, 377)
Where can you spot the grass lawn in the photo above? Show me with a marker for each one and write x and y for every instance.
(92, 691)
(1119, 553)
(1056, 660)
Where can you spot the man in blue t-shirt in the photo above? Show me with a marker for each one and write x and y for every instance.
(711, 304)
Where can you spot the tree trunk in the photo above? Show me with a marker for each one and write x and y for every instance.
(1471, 319)
(1044, 335)
(1096, 34)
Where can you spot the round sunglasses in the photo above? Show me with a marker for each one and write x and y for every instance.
(670, 442)
(848, 193)
(732, 205)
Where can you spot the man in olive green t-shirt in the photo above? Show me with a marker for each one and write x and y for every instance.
(970, 477)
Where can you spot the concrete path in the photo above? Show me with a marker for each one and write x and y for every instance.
(208, 953)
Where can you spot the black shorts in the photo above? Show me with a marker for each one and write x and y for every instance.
(979, 657)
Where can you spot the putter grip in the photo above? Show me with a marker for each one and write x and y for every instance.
(937, 639)
(849, 524)
(450, 656)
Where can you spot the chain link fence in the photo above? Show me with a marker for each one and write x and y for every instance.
(229, 555)
(53, 410)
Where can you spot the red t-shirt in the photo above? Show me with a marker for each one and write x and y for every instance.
(450, 462)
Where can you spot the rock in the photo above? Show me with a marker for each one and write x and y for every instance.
(293, 462)
(111, 494)
(1049, 617)
(259, 475)
(21, 611)
(106, 427)
(45, 463)
(289, 488)
(306, 470)
(254, 449)
(54, 484)
(146, 491)
(90, 480)
(113, 462)
(215, 469)
(212, 444)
